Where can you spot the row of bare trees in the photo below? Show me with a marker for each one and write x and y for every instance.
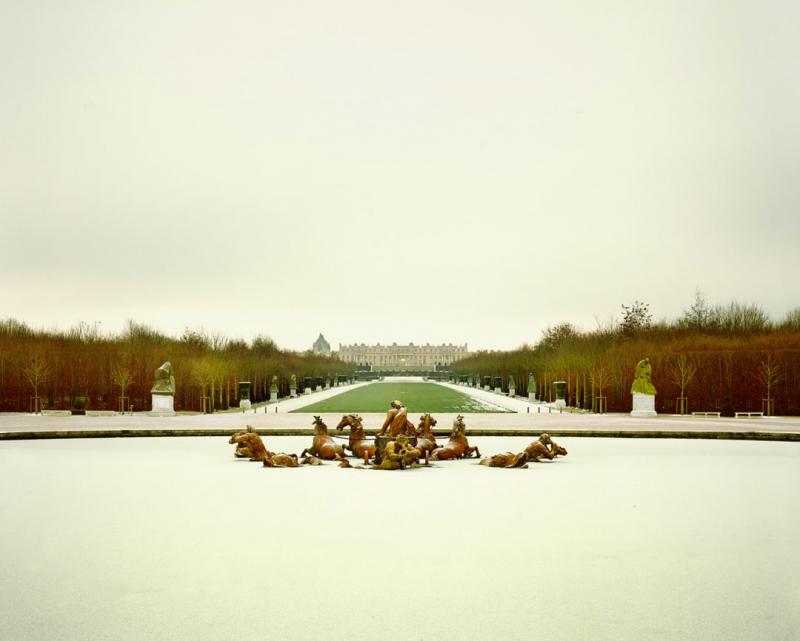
(728, 366)
(82, 369)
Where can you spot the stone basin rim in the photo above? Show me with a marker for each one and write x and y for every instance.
(269, 432)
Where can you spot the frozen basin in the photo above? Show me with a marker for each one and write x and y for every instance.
(173, 538)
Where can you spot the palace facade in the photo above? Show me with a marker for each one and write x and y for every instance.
(399, 358)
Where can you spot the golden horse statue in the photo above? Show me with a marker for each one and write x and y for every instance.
(457, 446)
(358, 443)
(426, 441)
(323, 445)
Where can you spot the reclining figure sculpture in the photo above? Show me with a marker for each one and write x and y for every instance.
(544, 447)
(249, 445)
(507, 459)
(281, 460)
(398, 454)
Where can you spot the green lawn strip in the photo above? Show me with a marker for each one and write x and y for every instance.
(417, 397)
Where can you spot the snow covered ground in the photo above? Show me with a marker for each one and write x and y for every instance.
(491, 398)
(159, 539)
(291, 404)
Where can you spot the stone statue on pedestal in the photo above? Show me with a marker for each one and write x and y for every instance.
(531, 387)
(561, 389)
(165, 381)
(163, 392)
(512, 385)
(643, 391)
(273, 388)
(293, 386)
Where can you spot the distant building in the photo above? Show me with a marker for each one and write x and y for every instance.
(321, 346)
(398, 358)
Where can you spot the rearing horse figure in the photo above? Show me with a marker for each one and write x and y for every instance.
(458, 445)
(358, 443)
(323, 445)
(426, 441)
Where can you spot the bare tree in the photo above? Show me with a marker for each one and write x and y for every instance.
(600, 378)
(122, 376)
(37, 372)
(698, 315)
(792, 319)
(738, 318)
(727, 383)
(219, 374)
(203, 375)
(768, 375)
(218, 342)
(683, 372)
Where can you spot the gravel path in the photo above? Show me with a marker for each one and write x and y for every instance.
(528, 416)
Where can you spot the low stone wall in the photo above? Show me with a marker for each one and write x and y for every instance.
(441, 434)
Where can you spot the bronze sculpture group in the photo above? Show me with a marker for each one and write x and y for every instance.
(398, 445)
(249, 445)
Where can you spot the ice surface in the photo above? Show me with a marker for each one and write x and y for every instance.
(163, 539)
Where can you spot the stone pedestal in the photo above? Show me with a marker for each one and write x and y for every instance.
(498, 390)
(512, 391)
(293, 392)
(244, 395)
(273, 396)
(163, 405)
(532, 396)
(307, 390)
(561, 388)
(644, 405)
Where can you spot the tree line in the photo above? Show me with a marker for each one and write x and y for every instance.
(721, 358)
(81, 368)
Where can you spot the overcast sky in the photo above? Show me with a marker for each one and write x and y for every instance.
(423, 171)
